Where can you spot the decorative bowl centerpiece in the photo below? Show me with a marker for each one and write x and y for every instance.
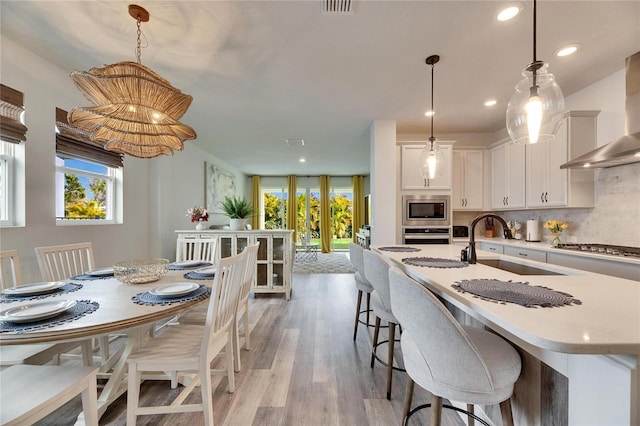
(140, 271)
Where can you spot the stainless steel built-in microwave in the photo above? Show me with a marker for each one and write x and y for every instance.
(425, 210)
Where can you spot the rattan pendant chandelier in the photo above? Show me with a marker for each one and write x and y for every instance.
(136, 111)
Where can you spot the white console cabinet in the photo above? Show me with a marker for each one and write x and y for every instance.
(275, 255)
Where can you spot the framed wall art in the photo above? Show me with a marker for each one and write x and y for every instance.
(219, 183)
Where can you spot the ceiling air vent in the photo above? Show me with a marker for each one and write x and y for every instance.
(337, 7)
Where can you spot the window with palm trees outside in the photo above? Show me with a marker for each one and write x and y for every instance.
(85, 191)
(308, 221)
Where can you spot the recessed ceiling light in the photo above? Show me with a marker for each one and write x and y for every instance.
(302, 160)
(586, 165)
(429, 113)
(294, 142)
(637, 154)
(567, 50)
(509, 12)
(490, 102)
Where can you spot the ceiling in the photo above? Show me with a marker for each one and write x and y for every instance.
(261, 72)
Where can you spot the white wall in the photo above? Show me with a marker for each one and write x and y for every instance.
(157, 192)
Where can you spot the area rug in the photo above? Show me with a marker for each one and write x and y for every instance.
(327, 263)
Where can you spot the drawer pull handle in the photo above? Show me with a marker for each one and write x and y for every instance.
(523, 254)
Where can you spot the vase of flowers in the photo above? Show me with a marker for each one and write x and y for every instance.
(199, 215)
(556, 227)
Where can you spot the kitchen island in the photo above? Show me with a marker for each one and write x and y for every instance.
(580, 361)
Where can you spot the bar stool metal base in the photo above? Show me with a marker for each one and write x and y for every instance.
(381, 361)
(451, 407)
(368, 324)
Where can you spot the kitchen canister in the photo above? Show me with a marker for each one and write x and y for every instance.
(533, 230)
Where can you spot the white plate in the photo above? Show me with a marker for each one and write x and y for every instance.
(32, 289)
(174, 290)
(101, 272)
(36, 311)
(207, 270)
(188, 263)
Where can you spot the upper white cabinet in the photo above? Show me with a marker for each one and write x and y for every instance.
(468, 190)
(550, 186)
(508, 176)
(411, 178)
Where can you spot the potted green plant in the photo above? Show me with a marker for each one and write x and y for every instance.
(238, 209)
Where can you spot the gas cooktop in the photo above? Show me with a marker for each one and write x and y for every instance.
(602, 249)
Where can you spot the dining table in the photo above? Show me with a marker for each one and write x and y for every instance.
(102, 305)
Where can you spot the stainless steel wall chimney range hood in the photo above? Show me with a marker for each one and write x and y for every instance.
(625, 150)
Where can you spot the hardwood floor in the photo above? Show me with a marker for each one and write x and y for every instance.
(303, 369)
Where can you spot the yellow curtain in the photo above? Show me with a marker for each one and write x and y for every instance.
(292, 205)
(255, 201)
(358, 205)
(325, 215)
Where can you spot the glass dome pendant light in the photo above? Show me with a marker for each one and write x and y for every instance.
(432, 157)
(536, 108)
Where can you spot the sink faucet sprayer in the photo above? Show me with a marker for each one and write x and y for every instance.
(471, 250)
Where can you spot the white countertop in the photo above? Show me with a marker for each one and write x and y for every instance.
(546, 247)
(607, 321)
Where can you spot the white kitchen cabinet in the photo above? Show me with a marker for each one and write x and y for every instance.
(550, 186)
(467, 171)
(411, 178)
(275, 255)
(508, 176)
(537, 255)
(494, 248)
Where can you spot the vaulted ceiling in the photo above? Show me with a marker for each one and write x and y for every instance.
(261, 72)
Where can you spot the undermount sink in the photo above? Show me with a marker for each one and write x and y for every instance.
(516, 268)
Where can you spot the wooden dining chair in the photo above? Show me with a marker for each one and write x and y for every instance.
(61, 262)
(242, 313)
(191, 348)
(10, 272)
(29, 393)
(41, 353)
(196, 247)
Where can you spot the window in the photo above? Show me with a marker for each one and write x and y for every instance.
(274, 207)
(85, 191)
(88, 178)
(7, 184)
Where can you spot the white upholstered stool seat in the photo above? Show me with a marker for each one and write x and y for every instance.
(451, 361)
(29, 393)
(377, 273)
(363, 286)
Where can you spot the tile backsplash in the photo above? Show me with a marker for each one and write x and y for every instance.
(615, 219)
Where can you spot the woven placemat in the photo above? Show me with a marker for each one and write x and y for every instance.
(193, 275)
(82, 308)
(174, 267)
(149, 299)
(88, 277)
(434, 262)
(520, 293)
(67, 288)
(400, 249)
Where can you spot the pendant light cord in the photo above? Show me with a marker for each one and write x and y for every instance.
(535, 56)
(138, 52)
(431, 139)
